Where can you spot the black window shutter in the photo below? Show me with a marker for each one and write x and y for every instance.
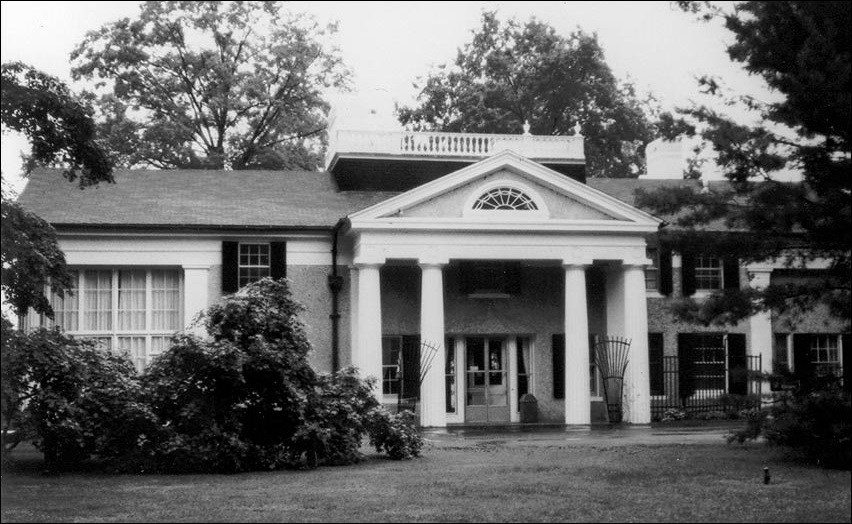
(685, 359)
(655, 361)
(665, 283)
(411, 366)
(687, 273)
(846, 340)
(278, 260)
(558, 365)
(737, 364)
(731, 272)
(802, 356)
(230, 266)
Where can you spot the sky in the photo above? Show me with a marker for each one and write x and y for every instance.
(388, 45)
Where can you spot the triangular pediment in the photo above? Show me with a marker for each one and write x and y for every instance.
(463, 197)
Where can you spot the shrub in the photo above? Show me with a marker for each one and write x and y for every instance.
(72, 399)
(815, 422)
(395, 434)
(336, 419)
(246, 399)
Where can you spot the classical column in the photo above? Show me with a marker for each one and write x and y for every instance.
(637, 381)
(760, 325)
(353, 313)
(577, 395)
(368, 356)
(195, 292)
(433, 409)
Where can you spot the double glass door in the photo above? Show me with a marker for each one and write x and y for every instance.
(487, 395)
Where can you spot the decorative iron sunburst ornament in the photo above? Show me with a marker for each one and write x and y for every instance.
(505, 198)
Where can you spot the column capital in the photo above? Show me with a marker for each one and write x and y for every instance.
(639, 263)
(196, 266)
(576, 262)
(433, 259)
(366, 264)
(431, 264)
(759, 268)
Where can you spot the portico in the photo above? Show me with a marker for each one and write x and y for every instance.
(571, 227)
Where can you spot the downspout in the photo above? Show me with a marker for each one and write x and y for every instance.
(335, 284)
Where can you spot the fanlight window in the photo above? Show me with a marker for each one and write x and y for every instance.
(505, 198)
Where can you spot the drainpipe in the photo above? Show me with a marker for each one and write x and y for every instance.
(335, 284)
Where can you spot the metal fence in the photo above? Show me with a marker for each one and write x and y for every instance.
(703, 387)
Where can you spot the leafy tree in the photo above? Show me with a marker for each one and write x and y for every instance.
(212, 85)
(511, 73)
(61, 131)
(802, 51)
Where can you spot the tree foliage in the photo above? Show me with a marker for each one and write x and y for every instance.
(58, 126)
(212, 85)
(61, 132)
(511, 73)
(802, 51)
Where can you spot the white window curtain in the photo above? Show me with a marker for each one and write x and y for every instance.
(165, 296)
(131, 300)
(97, 299)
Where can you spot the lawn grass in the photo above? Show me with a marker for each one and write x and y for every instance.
(485, 482)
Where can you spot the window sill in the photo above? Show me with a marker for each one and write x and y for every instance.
(653, 294)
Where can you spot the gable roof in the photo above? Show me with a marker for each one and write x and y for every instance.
(621, 212)
(150, 198)
(205, 198)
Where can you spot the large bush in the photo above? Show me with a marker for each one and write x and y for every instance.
(243, 399)
(72, 399)
(813, 420)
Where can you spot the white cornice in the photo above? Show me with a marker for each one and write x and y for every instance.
(522, 166)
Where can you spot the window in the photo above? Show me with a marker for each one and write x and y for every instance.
(450, 376)
(709, 360)
(505, 198)
(595, 385)
(253, 263)
(708, 272)
(524, 367)
(134, 311)
(825, 355)
(391, 365)
(652, 272)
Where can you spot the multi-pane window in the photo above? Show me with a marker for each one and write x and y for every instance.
(595, 386)
(505, 198)
(450, 375)
(708, 272)
(65, 305)
(133, 311)
(524, 367)
(254, 263)
(825, 355)
(709, 361)
(391, 365)
(652, 272)
(97, 300)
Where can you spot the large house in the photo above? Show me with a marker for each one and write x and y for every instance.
(493, 249)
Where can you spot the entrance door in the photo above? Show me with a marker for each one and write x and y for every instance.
(487, 398)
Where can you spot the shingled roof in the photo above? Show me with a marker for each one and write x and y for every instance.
(196, 198)
(202, 198)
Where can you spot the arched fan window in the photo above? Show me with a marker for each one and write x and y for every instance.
(505, 198)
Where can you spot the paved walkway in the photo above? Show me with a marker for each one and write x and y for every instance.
(546, 436)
